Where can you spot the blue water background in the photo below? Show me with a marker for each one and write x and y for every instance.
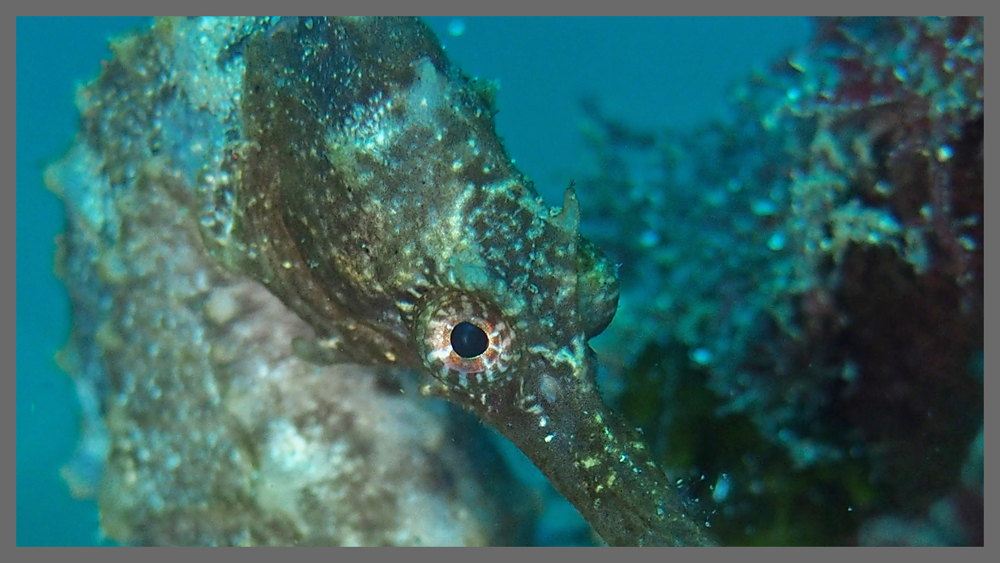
(645, 71)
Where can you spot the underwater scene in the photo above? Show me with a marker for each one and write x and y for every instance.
(500, 281)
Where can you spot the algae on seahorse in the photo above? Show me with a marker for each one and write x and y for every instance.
(373, 196)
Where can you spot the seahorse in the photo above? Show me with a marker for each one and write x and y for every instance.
(370, 192)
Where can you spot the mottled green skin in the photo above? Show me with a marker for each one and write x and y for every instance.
(372, 184)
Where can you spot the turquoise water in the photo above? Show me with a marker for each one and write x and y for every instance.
(646, 71)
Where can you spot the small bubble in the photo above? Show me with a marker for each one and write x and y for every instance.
(701, 356)
(763, 207)
(649, 239)
(173, 461)
(721, 489)
(777, 241)
(944, 153)
(456, 27)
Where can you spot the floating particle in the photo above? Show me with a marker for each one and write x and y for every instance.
(456, 27)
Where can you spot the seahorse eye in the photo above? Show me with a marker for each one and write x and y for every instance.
(462, 335)
(468, 340)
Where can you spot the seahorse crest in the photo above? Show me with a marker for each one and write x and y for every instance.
(538, 292)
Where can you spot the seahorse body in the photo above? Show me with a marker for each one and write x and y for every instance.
(373, 196)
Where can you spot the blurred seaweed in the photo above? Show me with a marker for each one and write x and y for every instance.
(801, 325)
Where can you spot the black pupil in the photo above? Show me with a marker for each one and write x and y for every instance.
(468, 340)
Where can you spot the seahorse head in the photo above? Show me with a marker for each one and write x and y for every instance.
(375, 198)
